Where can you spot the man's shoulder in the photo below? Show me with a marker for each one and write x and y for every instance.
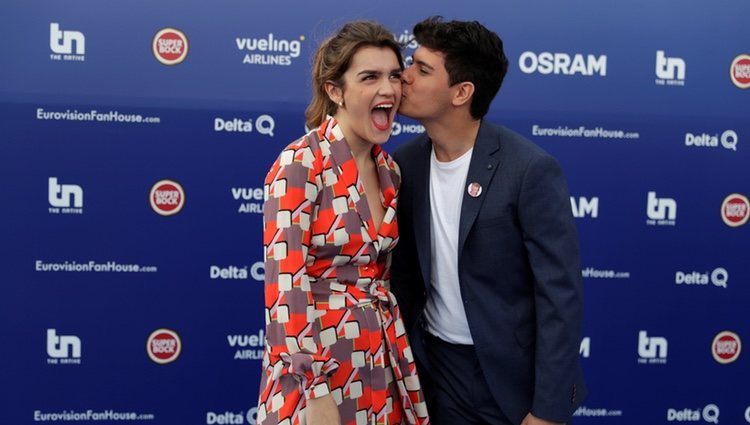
(510, 141)
(411, 149)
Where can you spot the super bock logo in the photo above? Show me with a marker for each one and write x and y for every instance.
(167, 197)
(735, 210)
(170, 46)
(163, 346)
(726, 347)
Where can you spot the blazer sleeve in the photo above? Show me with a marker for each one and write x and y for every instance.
(552, 245)
(292, 341)
(406, 280)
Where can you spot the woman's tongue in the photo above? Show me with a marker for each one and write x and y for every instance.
(380, 119)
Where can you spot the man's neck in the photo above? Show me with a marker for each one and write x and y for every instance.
(452, 138)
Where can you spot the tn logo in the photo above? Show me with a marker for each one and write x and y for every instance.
(62, 346)
(661, 208)
(651, 347)
(669, 68)
(60, 194)
(61, 42)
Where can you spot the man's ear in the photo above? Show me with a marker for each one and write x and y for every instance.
(334, 92)
(463, 93)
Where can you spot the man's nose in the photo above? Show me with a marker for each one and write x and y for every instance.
(406, 76)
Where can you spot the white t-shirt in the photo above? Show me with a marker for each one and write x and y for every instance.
(444, 310)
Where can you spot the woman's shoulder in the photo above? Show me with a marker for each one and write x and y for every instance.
(306, 148)
(309, 140)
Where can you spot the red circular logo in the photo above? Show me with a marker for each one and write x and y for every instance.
(170, 46)
(740, 71)
(726, 347)
(163, 346)
(167, 197)
(734, 210)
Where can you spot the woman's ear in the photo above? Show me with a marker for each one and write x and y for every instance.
(334, 93)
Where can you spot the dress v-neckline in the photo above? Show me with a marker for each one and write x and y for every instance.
(346, 169)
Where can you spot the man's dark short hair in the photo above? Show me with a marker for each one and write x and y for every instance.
(472, 53)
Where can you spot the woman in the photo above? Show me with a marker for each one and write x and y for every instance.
(336, 352)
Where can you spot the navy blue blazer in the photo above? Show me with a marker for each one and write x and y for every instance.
(518, 265)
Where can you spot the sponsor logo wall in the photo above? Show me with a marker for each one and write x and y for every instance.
(134, 145)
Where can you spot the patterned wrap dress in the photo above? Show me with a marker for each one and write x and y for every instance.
(332, 325)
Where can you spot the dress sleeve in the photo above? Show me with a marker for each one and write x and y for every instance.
(291, 192)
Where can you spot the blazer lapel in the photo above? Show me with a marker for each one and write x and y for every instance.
(481, 170)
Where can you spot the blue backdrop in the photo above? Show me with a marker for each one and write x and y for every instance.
(114, 308)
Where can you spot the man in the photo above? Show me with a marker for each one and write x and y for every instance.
(487, 270)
